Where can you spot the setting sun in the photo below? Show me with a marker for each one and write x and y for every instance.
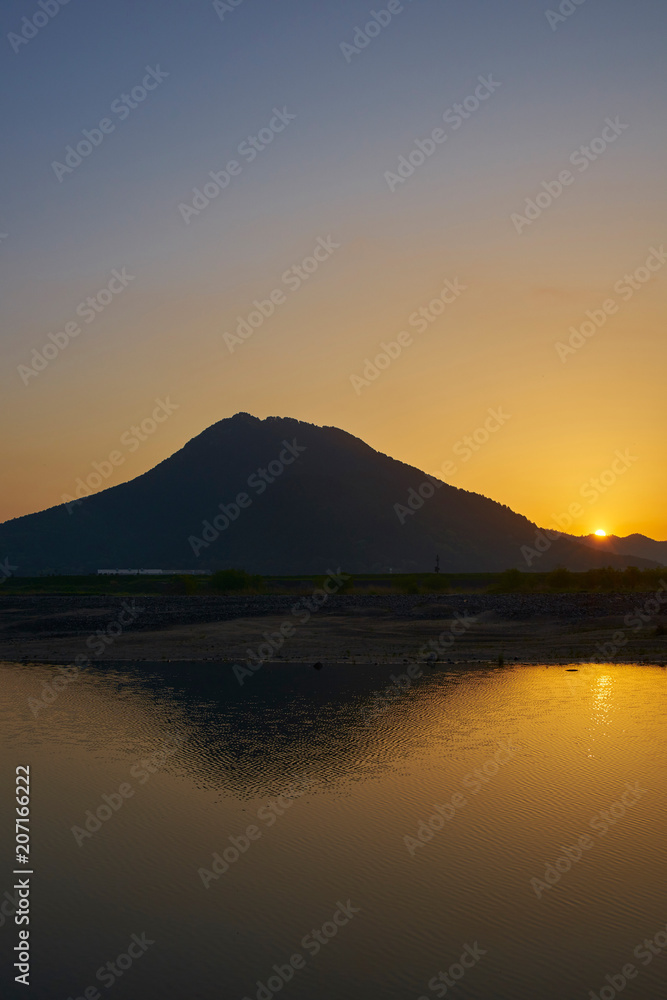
(601, 532)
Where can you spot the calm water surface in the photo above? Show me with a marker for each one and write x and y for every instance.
(523, 763)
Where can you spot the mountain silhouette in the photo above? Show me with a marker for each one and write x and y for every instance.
(628, 545)
(280, 496)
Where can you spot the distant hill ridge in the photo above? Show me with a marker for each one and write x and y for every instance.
(283, 496)
(634, 545)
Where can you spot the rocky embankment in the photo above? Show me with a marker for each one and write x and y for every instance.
(549, 628)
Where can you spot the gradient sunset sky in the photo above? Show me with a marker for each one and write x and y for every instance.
(324, 177)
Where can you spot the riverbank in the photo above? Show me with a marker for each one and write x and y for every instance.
(525, 628)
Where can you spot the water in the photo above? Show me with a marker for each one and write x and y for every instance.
(554, 750)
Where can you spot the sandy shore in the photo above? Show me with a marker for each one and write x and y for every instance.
(522, 628)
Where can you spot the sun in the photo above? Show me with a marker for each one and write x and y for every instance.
(601, 533)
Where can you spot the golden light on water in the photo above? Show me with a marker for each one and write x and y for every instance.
(602, 696)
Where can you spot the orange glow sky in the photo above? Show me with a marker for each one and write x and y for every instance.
(324, 176)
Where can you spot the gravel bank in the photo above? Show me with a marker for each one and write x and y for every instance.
(546, 628)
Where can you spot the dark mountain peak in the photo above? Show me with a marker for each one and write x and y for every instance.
(280, 495)
(242, 417)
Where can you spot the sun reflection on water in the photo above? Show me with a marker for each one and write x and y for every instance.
(602, 696)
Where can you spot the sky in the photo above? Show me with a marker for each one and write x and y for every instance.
(503, 261)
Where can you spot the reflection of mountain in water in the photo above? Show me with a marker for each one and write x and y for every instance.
(285, 722)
